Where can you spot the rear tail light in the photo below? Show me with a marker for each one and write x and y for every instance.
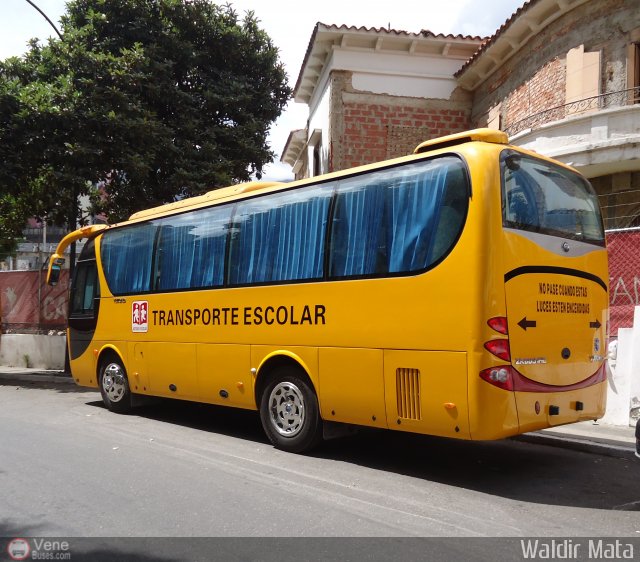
(500, 376)
(500, 348)
(499, 324)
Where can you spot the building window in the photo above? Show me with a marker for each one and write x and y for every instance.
(583, 79)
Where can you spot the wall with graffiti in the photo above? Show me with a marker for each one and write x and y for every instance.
(28, 304)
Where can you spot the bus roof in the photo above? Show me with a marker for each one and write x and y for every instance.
(482, 135)
(207, 197)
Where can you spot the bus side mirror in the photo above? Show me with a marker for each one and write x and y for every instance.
(55, 268)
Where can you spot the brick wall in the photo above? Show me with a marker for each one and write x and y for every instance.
(544, 90)
(534, 79)
(376, 127)
(377, 131)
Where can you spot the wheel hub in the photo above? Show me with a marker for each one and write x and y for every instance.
(113, 382)
(287, 409)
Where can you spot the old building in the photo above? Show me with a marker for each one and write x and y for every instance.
(562, 77)
(375, 94)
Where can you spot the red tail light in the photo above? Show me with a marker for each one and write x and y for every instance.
(499, 324)
(500, 348)
(500, 376)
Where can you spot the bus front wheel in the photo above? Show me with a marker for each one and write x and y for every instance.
(289, 412)
(114, 385)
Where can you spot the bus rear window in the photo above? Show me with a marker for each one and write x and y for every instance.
(538, 196)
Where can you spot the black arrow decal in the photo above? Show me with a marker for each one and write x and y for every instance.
(524, 323)
(595, 324)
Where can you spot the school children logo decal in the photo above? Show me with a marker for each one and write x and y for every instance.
(140, 316)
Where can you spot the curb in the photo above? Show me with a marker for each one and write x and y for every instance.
(585, 445)
(58, 377)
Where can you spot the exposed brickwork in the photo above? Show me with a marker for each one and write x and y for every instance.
(534, 78)
(367, 127)
(378, 131)
(544, 90)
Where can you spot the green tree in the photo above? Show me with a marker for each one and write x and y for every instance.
(142, 102)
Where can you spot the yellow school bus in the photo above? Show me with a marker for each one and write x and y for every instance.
(460, 291)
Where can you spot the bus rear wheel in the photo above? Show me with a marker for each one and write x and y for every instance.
(289, 412)
(114, 385)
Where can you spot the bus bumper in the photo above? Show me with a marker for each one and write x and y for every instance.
(540, 410)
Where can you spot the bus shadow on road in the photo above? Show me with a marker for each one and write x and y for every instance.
(507, 468)
(232, 422)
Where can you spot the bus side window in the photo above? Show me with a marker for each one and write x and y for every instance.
(127, 256)
(398, 223)
(281, 238)
(85, 288)
(357, 235)
(452, 214)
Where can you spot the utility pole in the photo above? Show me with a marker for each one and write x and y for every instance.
(45, 17)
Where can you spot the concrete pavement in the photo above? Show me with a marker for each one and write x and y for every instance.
(592, 437)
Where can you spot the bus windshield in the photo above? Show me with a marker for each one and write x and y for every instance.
(541, 197)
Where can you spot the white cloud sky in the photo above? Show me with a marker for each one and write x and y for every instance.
(290, 24)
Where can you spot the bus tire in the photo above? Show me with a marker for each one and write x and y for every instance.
(289, 412)
(114, 385)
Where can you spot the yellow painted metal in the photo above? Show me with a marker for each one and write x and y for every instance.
(482, 135)
(209, 197)
(443, 379)
(58, 257)
(593, 398)
(352, 386)
(225, 368)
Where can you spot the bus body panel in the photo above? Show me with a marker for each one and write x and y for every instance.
(84, 367)
(224, 367)
(593, 400)
(351, 386)
(557, 307)
(493, 413)
(426, 392)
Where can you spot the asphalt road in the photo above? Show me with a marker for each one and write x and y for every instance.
(69, 467)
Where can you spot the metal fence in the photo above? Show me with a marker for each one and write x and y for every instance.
(596, 103)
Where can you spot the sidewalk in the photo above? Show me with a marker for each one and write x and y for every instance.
(591, 437)
(34, 375)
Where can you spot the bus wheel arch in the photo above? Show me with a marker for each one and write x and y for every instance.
(288, 405)
(113, 381)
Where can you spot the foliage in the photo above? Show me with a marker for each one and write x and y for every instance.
(142, 102)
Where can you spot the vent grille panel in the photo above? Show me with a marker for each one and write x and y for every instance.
(408, 393)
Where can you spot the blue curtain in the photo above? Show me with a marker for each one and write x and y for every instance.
(191, 249)
(126, 258)
(387, 222)
(397, 220)
(280, 238)
(357, 234)
(414, 210)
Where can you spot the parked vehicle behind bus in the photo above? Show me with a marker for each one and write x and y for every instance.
(460, 291)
